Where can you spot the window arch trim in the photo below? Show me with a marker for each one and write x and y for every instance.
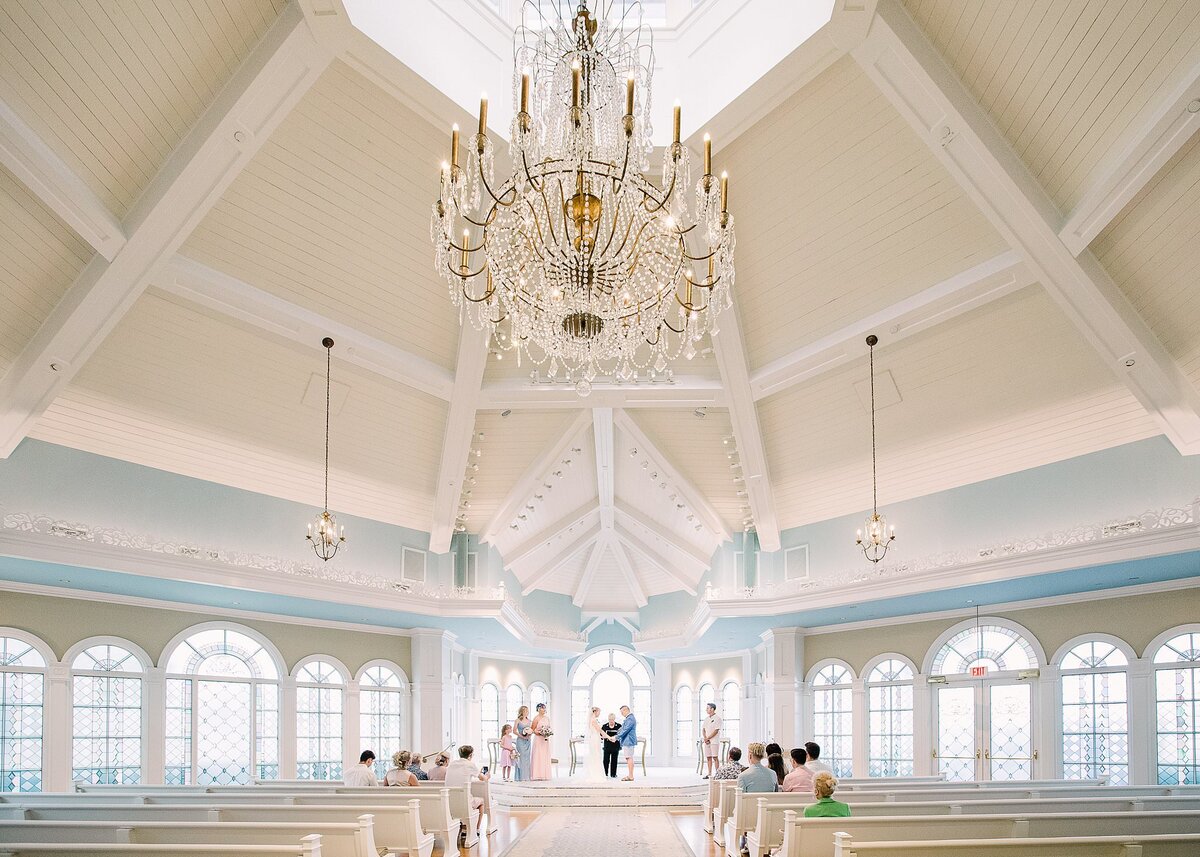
(405, 685)
(870, 666)
(1065, 649)
(343, 672)
(591, 653)
(945, 637)
(106, 640)
(1168, 635)
(179, 639)
(36, 643)
(830, 662)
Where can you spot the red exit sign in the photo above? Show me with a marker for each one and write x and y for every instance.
(978, 672)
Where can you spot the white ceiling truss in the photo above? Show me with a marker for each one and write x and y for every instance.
(621, 544)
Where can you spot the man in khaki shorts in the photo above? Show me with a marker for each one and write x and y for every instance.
(710, 732)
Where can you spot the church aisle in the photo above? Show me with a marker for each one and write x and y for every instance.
(690, 825)
(509, 827)
(599, 832)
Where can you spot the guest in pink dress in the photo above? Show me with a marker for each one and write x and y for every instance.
(506, 750)
(540, 762)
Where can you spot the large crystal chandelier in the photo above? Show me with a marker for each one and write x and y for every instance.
(577, 260)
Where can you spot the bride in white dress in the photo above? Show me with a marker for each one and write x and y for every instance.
(593, 769)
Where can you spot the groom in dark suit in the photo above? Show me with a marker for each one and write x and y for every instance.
(612, 750)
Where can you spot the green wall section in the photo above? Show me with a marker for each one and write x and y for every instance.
(63, 622)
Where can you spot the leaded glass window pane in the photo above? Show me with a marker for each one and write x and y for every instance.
(266, 709)
(21, 712)
(178, 760)
(106, 746)
(223, 724)
(890, 720)
(834, 727)
(538, 694)
(1095, 718)
(731, 712)
(380, 723)
(489, 712)
(222, 653)
(319, 749)
(685, 738)
(707, 694)
(1177, 699)
(993, 646)
(514, 698)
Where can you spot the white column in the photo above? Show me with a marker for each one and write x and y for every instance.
(154, 725)
(662, 724)
(352, 728)
(1143, 755)
(56, 730)
(431, 685)
(782, 683)
(560, 712)
(287, 728)
(859, 720)
(1047, 738)
(924, 729)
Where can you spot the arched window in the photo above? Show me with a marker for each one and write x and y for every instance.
(489, 712)
(514, 698)
(833, 728)
(382, 694)
(1095, 712)
(106, 715)
(22, 692)
(890, 720)
(731, 712)
(320, 749)
(707, 694)
(538, 694)
(609, 678)
(1177, 683)
(685, 722)
(222, 701)
(995, 647)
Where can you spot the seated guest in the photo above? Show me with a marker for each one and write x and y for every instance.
(772, 749)
(757, 778)
(814, 752)
(438, 774)
(733, 768)
(800, 778)
(416, 769)
(775, 763)
(462, 772)
(400, 775)
(362, 774)
(826, 806)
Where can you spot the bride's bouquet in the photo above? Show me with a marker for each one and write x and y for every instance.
(545, 731)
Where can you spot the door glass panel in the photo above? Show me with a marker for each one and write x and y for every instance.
(1011, 732)
(223, 732)
(956, 732)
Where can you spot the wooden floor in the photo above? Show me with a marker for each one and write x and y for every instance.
(510, 825)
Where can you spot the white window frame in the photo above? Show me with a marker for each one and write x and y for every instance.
(840, 692)
(909, 682)
(383, 755)
(48, 660)
(343, 678)
(144, 664)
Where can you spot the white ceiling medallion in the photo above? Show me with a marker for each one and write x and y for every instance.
(577, 260)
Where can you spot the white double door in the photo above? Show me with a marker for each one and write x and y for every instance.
(984, 730)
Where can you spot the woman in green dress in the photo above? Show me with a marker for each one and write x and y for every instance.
(826, 807)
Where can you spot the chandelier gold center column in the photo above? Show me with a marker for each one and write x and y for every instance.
(577, 260)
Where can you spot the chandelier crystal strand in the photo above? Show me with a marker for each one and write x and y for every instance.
(879, 536)
(577, 261)
(325, 535)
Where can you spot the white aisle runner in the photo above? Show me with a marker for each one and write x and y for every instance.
(600, 833)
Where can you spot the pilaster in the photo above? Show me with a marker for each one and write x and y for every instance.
(860, 742)
(287, 728)
(560, 711)
(56, 730)
(1142, 743)
(432, 690)
(1047, 739)
(782, 683)
(662, 724)
(471, 710)
(154, 725)
(923, 726)
(352, 728)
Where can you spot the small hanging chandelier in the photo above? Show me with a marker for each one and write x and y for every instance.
(325, 535)
(575, 259)
(879, 536)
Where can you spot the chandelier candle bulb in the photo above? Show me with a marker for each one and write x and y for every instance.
(629, 96)
(465, 263)
(707, 154)
(454, 147)
(525, 91)
(678, 108)
(724, 193)
(482, 116)
(576, 78)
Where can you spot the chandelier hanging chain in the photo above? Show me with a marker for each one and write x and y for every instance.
(328, 367)
(874, 478)
(576, 259)
(324, 534)
(877, 537)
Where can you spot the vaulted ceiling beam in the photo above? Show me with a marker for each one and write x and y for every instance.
(458, 433)
(633, 520)
(602, 428)
(48, 177)
(630, 576)
(1153, 138)
(913, 76)
(656, 559)
(743, 413)
(538, 576)
(205, 286)
(533, 475)
(589, 571)
(261, 92)
(684, 391)
(691, 495)
(967, 290)
(549, 534)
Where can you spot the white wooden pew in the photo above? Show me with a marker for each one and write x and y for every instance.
(1012, 790)
(310, 846)
(769, 822)
(337, 840)
(896, 783)
(814, 837)
(1159, 845)
(396, 828)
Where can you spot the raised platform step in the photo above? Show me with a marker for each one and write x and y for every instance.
(661, 790)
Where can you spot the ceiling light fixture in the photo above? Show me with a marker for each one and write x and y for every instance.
(326, 536)
(879, 536)
(576, 259)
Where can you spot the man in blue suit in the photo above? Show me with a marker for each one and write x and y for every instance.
(627, 737)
